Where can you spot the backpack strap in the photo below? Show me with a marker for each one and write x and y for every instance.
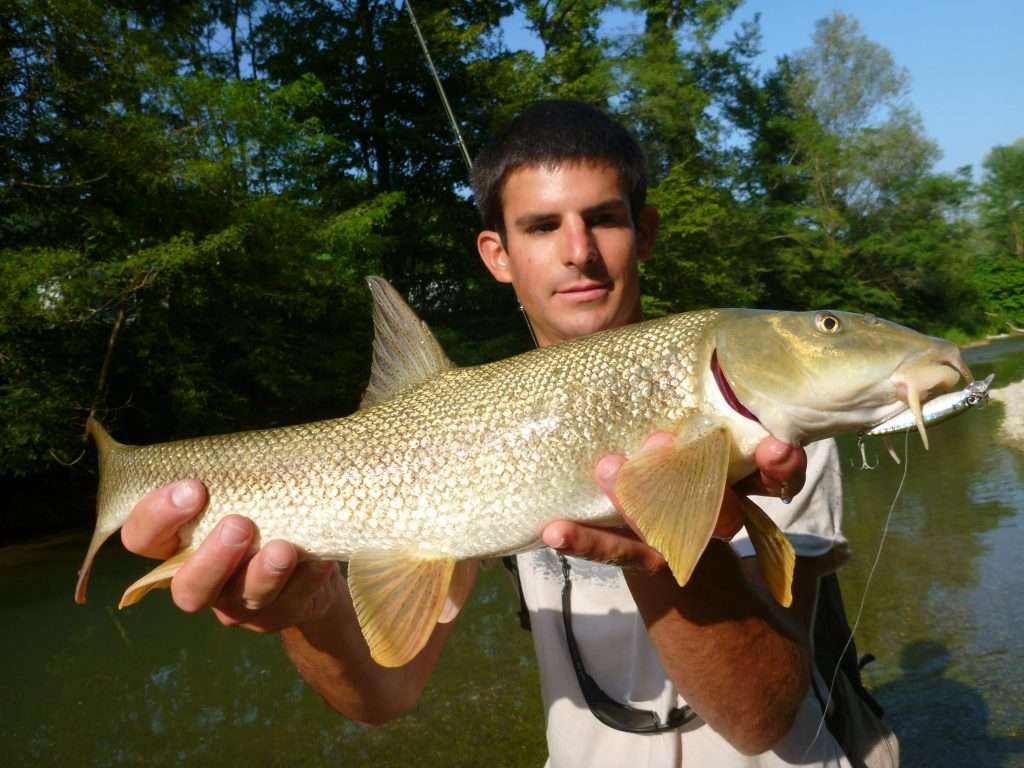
(512, 566)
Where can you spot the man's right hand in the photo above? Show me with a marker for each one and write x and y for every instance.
(780, 471)
(272, 589)
(264, 591)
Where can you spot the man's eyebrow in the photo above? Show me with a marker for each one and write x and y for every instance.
(614, 205)
(528, 220)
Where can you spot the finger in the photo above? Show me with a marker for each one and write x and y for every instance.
(152, 527)
(618, 546)
(266, 575)
(606, 471)
(781, 470)
(607, 468)
(781, 461)
(730, 518)
(305, 596)
(199, 582)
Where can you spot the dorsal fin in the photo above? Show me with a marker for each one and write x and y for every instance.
(405, 352)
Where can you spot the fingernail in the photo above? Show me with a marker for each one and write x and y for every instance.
(233, 534)
(554, 539)
(184, 495)
(606, 471)
(277, 563)
(779, 452)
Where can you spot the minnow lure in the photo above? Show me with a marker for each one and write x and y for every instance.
(933, 412)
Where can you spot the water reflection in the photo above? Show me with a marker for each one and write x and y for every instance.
(168, 689)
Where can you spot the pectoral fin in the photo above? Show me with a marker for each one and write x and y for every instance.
(463, 579)
(673, 494)
(398, 600)
(775, 554)
(159, 578)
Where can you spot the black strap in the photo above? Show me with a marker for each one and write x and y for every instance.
(512, 565)
(612, 713)
(831, 632)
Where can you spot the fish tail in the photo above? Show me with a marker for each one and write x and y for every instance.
(108, 517)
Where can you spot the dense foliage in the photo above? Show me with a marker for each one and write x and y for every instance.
(214, 177)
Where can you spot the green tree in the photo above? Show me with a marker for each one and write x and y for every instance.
(141, 185)
(573, 63)
(215, 178)
(672, 80)
(1002, 202)
(860, 221)
(1001, 222)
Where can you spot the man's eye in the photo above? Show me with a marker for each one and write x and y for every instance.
(609, 219)
(547, 226)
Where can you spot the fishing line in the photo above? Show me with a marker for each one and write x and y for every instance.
(454, 123)
(864, 595)
(63, 463)
(529, 325)
(440, 88)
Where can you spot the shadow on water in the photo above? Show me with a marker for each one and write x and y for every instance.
(941, 721)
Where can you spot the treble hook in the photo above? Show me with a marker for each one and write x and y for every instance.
(864, 463)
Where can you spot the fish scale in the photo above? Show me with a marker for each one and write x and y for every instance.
(464, 448)
(443, 465)
(453, 466)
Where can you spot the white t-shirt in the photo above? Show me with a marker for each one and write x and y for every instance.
(618, 653)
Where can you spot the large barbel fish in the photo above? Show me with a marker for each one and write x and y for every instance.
(442, 466)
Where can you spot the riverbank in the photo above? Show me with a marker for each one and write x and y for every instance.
(1011, 430)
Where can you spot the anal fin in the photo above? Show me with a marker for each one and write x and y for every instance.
(775, 554)
(398, 600)
(673, 494)
(159, 578)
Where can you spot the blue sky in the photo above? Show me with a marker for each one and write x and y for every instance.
(965, 59)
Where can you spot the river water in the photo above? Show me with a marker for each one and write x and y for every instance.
(944, 619)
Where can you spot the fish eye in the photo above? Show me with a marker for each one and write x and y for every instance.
(827, 323)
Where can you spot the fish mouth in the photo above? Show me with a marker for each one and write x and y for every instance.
(726, 390)
(920, 379)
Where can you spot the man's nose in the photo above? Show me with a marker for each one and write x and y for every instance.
(580, 246)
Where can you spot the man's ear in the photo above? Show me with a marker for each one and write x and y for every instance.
(495, 258)
(647, 231)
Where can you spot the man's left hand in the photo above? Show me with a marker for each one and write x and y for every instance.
(780, 472)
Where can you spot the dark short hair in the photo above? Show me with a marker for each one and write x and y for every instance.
(550, 134)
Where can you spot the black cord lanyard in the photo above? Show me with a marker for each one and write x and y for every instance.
(614, 714)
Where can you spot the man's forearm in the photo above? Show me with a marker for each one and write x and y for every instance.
(331, 655)
(744, 669)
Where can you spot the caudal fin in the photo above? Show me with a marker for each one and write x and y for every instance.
(107, 520)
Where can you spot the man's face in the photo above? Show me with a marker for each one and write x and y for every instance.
(571, 249)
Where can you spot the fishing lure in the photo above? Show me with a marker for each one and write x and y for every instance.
(934, 412)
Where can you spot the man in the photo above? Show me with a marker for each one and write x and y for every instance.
(562, 193)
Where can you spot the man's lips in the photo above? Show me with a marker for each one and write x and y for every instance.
(585, 292)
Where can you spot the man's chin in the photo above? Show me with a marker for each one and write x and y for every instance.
(588, 322)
